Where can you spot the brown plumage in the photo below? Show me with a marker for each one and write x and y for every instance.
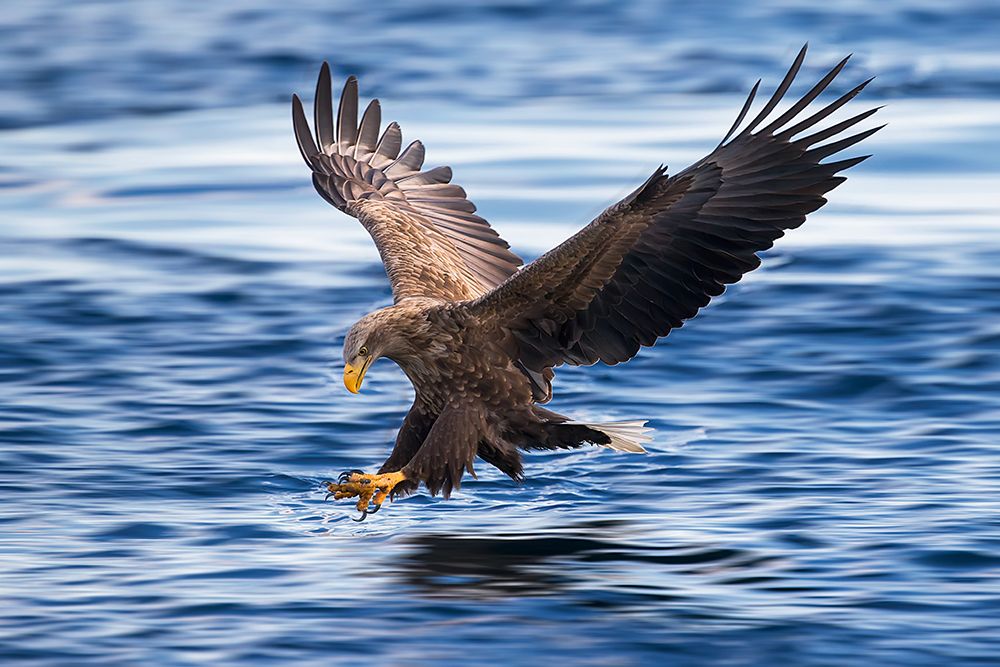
(479, 338)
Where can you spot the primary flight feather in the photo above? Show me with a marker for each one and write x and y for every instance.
(479, 336)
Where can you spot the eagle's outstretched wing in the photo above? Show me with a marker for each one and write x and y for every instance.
(431, 241)
(654, 259)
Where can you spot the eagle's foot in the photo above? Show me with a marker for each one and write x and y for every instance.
(370, 490)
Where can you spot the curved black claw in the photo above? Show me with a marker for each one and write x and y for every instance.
(327, 496)
(364, 513)
(376, 509)
(346, 475)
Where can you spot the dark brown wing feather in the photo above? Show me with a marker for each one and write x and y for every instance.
(654, 259)
(448, 450)
(439, 248)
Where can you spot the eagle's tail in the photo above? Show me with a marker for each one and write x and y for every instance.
(626, 436)
(560, 432)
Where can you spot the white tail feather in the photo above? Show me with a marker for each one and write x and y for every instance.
(625, 436)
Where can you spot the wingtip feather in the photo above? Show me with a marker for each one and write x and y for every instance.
(303, 136)
(779, 92)
(347, 114)
(743, 113)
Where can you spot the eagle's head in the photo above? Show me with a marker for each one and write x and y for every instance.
(389, 332)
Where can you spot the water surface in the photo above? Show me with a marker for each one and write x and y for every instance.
(824, 487)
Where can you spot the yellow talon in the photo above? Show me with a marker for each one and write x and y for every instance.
(368, 488)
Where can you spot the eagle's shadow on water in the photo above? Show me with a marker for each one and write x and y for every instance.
(498, 566)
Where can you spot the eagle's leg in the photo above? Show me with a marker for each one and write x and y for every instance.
(375, 488)
(369, 489)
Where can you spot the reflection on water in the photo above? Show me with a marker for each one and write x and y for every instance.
(485, 567)
(498, 566)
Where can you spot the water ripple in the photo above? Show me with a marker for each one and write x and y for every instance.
(824, 485)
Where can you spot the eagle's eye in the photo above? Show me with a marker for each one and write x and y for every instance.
(363, 351)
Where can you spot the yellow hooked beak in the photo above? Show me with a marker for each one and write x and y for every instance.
(353, 376)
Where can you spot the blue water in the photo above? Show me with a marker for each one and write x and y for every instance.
(824, 488)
